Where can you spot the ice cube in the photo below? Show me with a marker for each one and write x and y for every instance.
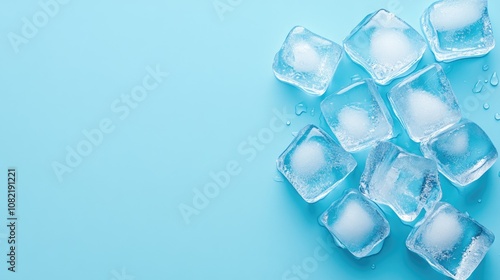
(458, 29)
(405, 182)
(314, 163)
(425, 103)
(386, 46)
(358, 116)
(463, 152)
(450, 241)
(356, 224)
(307, 61)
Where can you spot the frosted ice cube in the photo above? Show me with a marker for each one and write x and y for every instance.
(356, 224)
(425, 103)
(307, 61)
(450, 241)
(405, 182)
(358, 116)
(463, 152)
(386, 46)
(314, 163)
(458, 29)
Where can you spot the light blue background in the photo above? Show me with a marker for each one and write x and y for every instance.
(116, 216)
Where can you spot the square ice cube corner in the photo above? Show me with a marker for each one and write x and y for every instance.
(386, 46)
(456, 29)
(425, 103)
(356, 224)
(307, 61)
(405, 182)
(314, 163)
(358, 116)
(453, 243)
(463, 153)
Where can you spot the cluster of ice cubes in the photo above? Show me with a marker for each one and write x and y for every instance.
(425, 105)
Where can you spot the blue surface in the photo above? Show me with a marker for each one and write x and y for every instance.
(116, 214)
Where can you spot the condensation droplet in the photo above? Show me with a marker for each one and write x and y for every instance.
(497, 116)
(288, 123)
(478, 87)
(313, 112)
(373, 266)
(355, 78)
(486, 106)
(278, 178)
(486, 67)
(479, 201)
(300, 109)
(494, 79)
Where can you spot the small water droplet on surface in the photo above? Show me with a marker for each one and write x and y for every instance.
(497, 116)
(278, 178)
(288, 123)
(313, 112)
(373, 266)
(355, 78)
(478, 87)
(479, 201)
(486, 106)
(494, 79)
(486, 67)
(300, 109)
(485, 81)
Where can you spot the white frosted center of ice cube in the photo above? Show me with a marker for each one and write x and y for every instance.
(459, 145)
(354, 121)
(390, 46)
(354, 224)
(308, 158)
(443, 233)
(426, 109)
(305, 58)
(457, 14)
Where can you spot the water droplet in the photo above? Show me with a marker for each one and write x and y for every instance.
(479, 201)
(373, 266)
(486, 106)
(288, 123)
(300, 109)
(486, 67)
(497, 116)
(494, 79)
(478, 87)
(278, 178)
(355, 78)
(294, 133)
(313, 112)
(485, 81)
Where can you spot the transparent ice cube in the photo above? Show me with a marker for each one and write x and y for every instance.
(307, 61)
(357, 116)
(405, 182)
(386, 46)
(450, 241)
(356, 224)
(314, 163)
(458, 29)
(463, 152)
(425, 103)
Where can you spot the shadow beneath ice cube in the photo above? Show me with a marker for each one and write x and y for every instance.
(470, 197)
